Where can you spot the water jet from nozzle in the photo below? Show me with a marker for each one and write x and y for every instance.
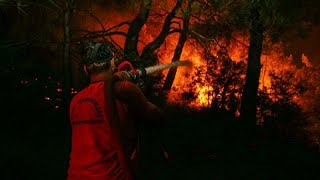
(161, 67)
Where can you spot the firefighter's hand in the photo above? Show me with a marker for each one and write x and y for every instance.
(123, 76)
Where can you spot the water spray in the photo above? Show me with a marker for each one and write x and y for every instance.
(136, 74)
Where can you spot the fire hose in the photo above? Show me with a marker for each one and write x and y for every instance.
(135, 74)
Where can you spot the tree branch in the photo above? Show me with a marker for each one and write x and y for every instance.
(130, 46)
(178, 51)
(152, 46)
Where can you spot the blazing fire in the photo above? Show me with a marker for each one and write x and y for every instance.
(272, 60)
(204, 86)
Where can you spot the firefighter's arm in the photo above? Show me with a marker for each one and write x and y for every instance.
(138, 104)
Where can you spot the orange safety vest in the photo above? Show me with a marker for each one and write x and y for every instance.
(95, 152)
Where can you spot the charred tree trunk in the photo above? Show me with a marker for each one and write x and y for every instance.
(225, 90)
(177, 53)
(66, 55)
(130, 46)
(249, 96)
(151, 47)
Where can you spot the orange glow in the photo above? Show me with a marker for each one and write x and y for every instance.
(208, 89)
(273, 59)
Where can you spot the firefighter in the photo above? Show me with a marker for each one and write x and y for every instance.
(104, 120)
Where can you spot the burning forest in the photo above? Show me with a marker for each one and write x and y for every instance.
(219, 62)
(248, 90)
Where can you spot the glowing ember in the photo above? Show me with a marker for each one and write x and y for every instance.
(73, 91)
(24, 82)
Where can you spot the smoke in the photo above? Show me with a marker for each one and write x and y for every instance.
(309, 46)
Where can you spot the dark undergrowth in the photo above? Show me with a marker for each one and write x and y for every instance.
(206, 144)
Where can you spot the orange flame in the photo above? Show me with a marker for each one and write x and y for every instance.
(273, 59)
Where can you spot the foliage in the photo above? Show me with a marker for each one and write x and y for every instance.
(277, 106)
(24, 7)
(282, 19)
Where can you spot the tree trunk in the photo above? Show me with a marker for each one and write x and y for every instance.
(249, 96)
(177, 53)
(130, 46)
(225, 90)
(67, 41)
(152, 46)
